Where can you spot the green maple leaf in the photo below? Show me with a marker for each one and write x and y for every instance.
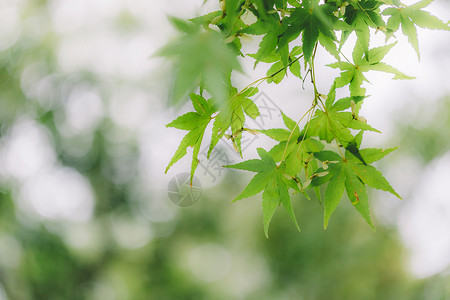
(269, 42)
(362, 15)
(298, 146)
(410, 16)
(207, 19)
(296, 151)
(271, 180)
(200, 57)
(271, 27)
(196, 123)
(333, 123)
(229, 22)
(232, 115)
(311, 20)
(352, 74)
(352, 175)
(277, 71)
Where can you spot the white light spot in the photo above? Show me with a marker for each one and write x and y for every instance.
(68, 16)
(209, 262)
(87, 239)
(129, 108)
(157, 208)
(9, 26)
(135, 62)
(31, 76)
(83, 111)
(131, 233)
(58, 195)
(27, 151)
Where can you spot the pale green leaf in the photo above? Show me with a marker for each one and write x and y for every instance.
(286, 200)
(329, 45)
(254, 165)
(375, 55)
(250, 108)
(357, 193)
(290, 124)
(382, 67)
(373, 178)
(295, 69)
(371, 155)
(276, 73)
(271, 200)
(277, 134)
(266, 157)
(256, 185)
(189, 140)
(410, 31)
(333, 194)
(200, 104)
(187, 121)
(425, 20)
(420, 4)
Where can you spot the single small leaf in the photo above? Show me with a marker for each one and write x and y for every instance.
(410, 31)
(309, 39)
(254, 165)
(267, 45)
(187, 121)
(376, 54)
(271, 200)
(189, 140)
(373, 178)
(295, 69)
(382, 67)
(333, 194)
(276, 73)
(371, 155)
(329, 45)
(250, 108)
(200, 104)
(290, 124)
(286, 200)
(256, 185)
(357, 193)
(425, 20)
(328, 155)
(277, 134)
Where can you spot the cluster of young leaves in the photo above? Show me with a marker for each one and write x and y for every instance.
(326, 150)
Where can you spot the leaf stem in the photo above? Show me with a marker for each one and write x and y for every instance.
(292, 132)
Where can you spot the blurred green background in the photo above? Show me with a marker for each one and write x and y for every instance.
(84, 206)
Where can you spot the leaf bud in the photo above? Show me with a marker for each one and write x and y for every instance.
(216, 20)
(353, 107)
(254, 132)
(361, 119)
(229, 39)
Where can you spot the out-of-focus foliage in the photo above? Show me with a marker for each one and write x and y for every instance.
(428, 141)
(78, 221)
